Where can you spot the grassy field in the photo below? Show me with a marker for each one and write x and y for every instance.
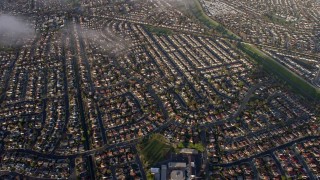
(197, 146)
(158, 30)
(276, 19)
(6, 49)
(154, 149)
(271, 65)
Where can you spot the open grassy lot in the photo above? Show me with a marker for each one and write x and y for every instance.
(273, 66)
(154, 149)
(197, 146)
(158, 30)
(277, 19)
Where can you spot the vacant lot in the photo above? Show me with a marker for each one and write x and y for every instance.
(154, 149)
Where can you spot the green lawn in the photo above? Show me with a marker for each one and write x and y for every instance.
(197, 146)
(158, 30)
(276, 19)
(6, 49)
(154, 149)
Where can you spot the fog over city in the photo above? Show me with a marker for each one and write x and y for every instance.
(13, 30)
(106, 40)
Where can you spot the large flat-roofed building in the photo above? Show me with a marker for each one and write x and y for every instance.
(188, 151)
(173, 165)
(156, 173)
(164, 172)
(155, 170)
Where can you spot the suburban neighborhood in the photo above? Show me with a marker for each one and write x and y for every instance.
(159, 89)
